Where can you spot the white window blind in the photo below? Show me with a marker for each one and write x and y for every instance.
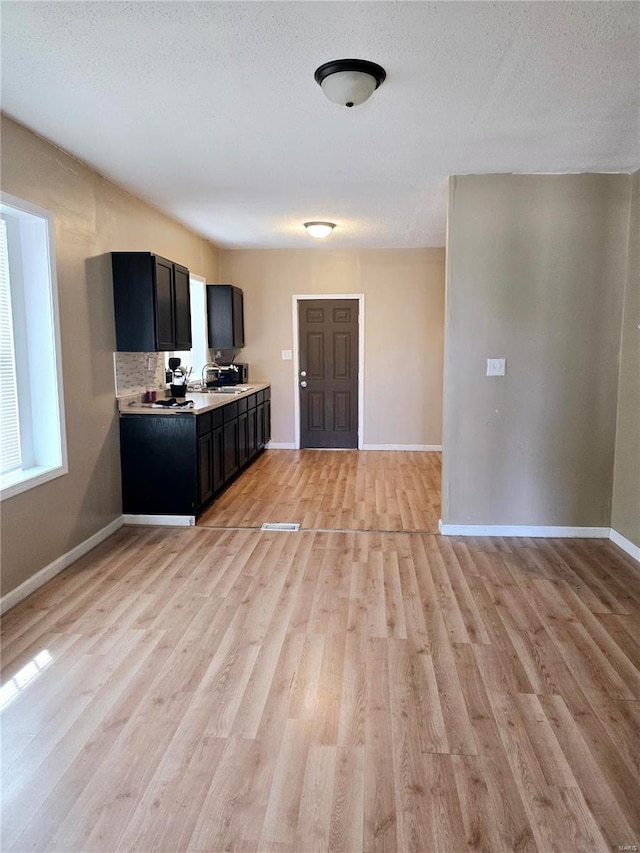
(10, 449)
(32, 435)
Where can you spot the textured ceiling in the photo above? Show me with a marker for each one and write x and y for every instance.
(209, 110)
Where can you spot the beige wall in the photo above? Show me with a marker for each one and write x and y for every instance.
(404, 315)
(92, 217)
(536, 270)
(626, 483)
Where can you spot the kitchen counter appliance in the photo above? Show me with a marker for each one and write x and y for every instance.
(221, 375)
(233, 374)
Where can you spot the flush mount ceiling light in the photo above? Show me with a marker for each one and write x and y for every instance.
(319, 229)
(349, 82)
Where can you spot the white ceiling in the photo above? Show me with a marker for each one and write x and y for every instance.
(209, 110)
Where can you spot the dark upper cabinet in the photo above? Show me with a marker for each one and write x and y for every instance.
(182, 308)
(225, 314)
(164, 305)
(152, 305)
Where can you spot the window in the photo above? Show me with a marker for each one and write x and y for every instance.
(198, 355)
(32, 435)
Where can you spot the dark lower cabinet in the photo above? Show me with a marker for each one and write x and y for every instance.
(231, 463)
(230, 439)
(205, 469)
(260, 427)
(267, 420)
(211, 464)
(159, 460)
(217, 442)
(243, 439)
(263, 418)
(175, 464)
(251, 433)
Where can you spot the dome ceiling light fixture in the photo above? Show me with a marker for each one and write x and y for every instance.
(349, 82)
(319, 230)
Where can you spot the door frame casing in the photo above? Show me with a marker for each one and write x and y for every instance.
(301, 297)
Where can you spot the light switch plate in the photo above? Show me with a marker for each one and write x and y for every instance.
(286, 355)
(496, 366)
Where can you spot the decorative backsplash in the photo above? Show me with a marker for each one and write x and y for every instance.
(132, 373)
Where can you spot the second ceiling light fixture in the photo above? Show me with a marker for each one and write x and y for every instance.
(319, 229)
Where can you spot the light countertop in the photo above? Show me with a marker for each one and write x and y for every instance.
(202, 402)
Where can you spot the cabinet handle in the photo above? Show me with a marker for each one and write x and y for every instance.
(303, 384)
(303, 373)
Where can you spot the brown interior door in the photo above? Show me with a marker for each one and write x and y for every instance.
(328, 379)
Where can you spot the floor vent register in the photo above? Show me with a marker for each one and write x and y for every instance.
(279, 525)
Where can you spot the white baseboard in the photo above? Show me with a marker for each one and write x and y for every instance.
(522, 530)
(626, 544)
(35, 581)
(289, 445)
(418, 447)
(161, 520)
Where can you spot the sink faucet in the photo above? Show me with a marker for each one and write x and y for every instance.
(208, 374)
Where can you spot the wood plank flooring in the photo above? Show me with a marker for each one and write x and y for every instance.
(237, 690)
(334, 490)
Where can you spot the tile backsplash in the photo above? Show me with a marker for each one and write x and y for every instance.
(132, 372)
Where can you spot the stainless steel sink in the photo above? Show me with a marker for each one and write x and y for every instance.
(230, 389)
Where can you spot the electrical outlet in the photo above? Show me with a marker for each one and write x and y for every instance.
(150, 362)
(496, 366)
(286, 354)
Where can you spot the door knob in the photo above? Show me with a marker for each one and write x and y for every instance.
(303, 373)
(303, 384)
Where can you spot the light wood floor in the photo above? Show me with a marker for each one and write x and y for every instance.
(334, 490)
(218, 690)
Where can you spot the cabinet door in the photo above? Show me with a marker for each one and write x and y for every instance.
(205, 468)
(159, 464)
(133, 294)
(182, 314)
(251, 433)
(164, 305)
(267, 421)
(230, 449)
(217, 438)
(238, 317)
(225, 316)
(260, 427)
(243, 439)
